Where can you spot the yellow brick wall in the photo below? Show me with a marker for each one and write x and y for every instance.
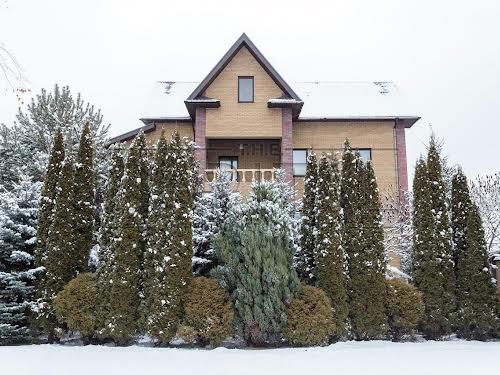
(243, 120)
(330, 136)
(185, 129)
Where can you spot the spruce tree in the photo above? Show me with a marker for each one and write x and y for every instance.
(329, 260)
(442, 231)
(255, 251)
(460, 209)
(129, 244)
(18, 213)
(108, 232)
(84, 200)
(477, 305)
(305, 261)
(426, 275)
(59, 260)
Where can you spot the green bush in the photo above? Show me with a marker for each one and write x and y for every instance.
(310, 319)
(75, 305)
(208, 313)
(405, 308)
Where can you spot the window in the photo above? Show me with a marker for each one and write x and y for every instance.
(230, 164)
(245, 89)
(299, 162)
(365, 153)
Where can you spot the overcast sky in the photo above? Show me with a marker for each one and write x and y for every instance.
(444, 55)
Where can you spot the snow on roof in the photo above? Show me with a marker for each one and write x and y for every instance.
(321, 100)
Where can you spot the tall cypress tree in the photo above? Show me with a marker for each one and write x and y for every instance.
(477, 313)
(329, 260)
(108, 232)
(84, 200)
(59, 261)
(442, 232)
(460, 209)
(48, 197)
(129, 244)
(305, 262)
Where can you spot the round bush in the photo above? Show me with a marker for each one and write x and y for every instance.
(310, 320)
(75, 305)
(208, 311)
(405, 308)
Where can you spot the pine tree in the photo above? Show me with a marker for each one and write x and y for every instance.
(460, 209)
(18, 214)
(48, 197)
(442, 232)
(59, 260)
(209, 214)
(477, 313)
(129, 244)
(255, 251)
(329, 260)
(108, 231)
(84, 201)
(305, 261)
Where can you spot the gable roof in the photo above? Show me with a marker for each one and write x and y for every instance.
(243, 41)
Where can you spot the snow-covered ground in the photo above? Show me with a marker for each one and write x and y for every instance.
(375, 357)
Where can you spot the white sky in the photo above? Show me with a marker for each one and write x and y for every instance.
(444, 55)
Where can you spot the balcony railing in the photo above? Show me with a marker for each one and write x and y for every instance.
(244, 175)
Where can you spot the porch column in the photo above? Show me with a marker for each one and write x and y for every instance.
(287, 144)
(200, 123)
(401, 164)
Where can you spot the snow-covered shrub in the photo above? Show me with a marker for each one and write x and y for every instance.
(75, 305)
(208, 313)
(405, 308)
(310, 320)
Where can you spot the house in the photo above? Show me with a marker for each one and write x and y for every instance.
(245, 117)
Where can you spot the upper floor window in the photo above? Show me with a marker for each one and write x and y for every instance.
(299, 162)
(365, 154)
(245, 89)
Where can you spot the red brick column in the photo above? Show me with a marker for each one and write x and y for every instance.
(200, 139)
(287, 144)
(401, 163)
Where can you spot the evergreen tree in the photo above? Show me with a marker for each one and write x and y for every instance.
(48, 197)
(426, 275)
(460, 209)
(59, 259)
(477, 314)
(209, 214)
(18, 213)
(442, 231)
(305, 261)
(129, 244)
(255, 251)
(84, 201)
(329, 260)
(108, 231)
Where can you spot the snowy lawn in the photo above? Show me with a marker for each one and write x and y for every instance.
(375, 357)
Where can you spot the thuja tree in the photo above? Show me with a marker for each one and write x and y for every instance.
(84, 200)
(129, 244)
(441, 230)
(330, 271)
(305, 258)
(18, 214)
(255, 251)
(426, 259)
(107, 234)
(460, 209)
(59, 259)
(477, 310)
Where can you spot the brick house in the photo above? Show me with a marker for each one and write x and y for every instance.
(245, 117)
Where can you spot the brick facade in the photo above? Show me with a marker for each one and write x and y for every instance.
(287, 144)
(200, 138)
(402, 167)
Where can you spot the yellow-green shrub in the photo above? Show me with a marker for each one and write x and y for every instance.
(75, 305)
(309, 318)
(208, 312)
(405, 308)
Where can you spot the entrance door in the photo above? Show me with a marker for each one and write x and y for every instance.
(229, 163)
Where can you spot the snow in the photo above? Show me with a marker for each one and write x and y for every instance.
(373, 357)
(321, 99)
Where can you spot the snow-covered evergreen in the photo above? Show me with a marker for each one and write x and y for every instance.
(18, 215)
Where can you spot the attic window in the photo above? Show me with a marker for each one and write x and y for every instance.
(245, 89)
